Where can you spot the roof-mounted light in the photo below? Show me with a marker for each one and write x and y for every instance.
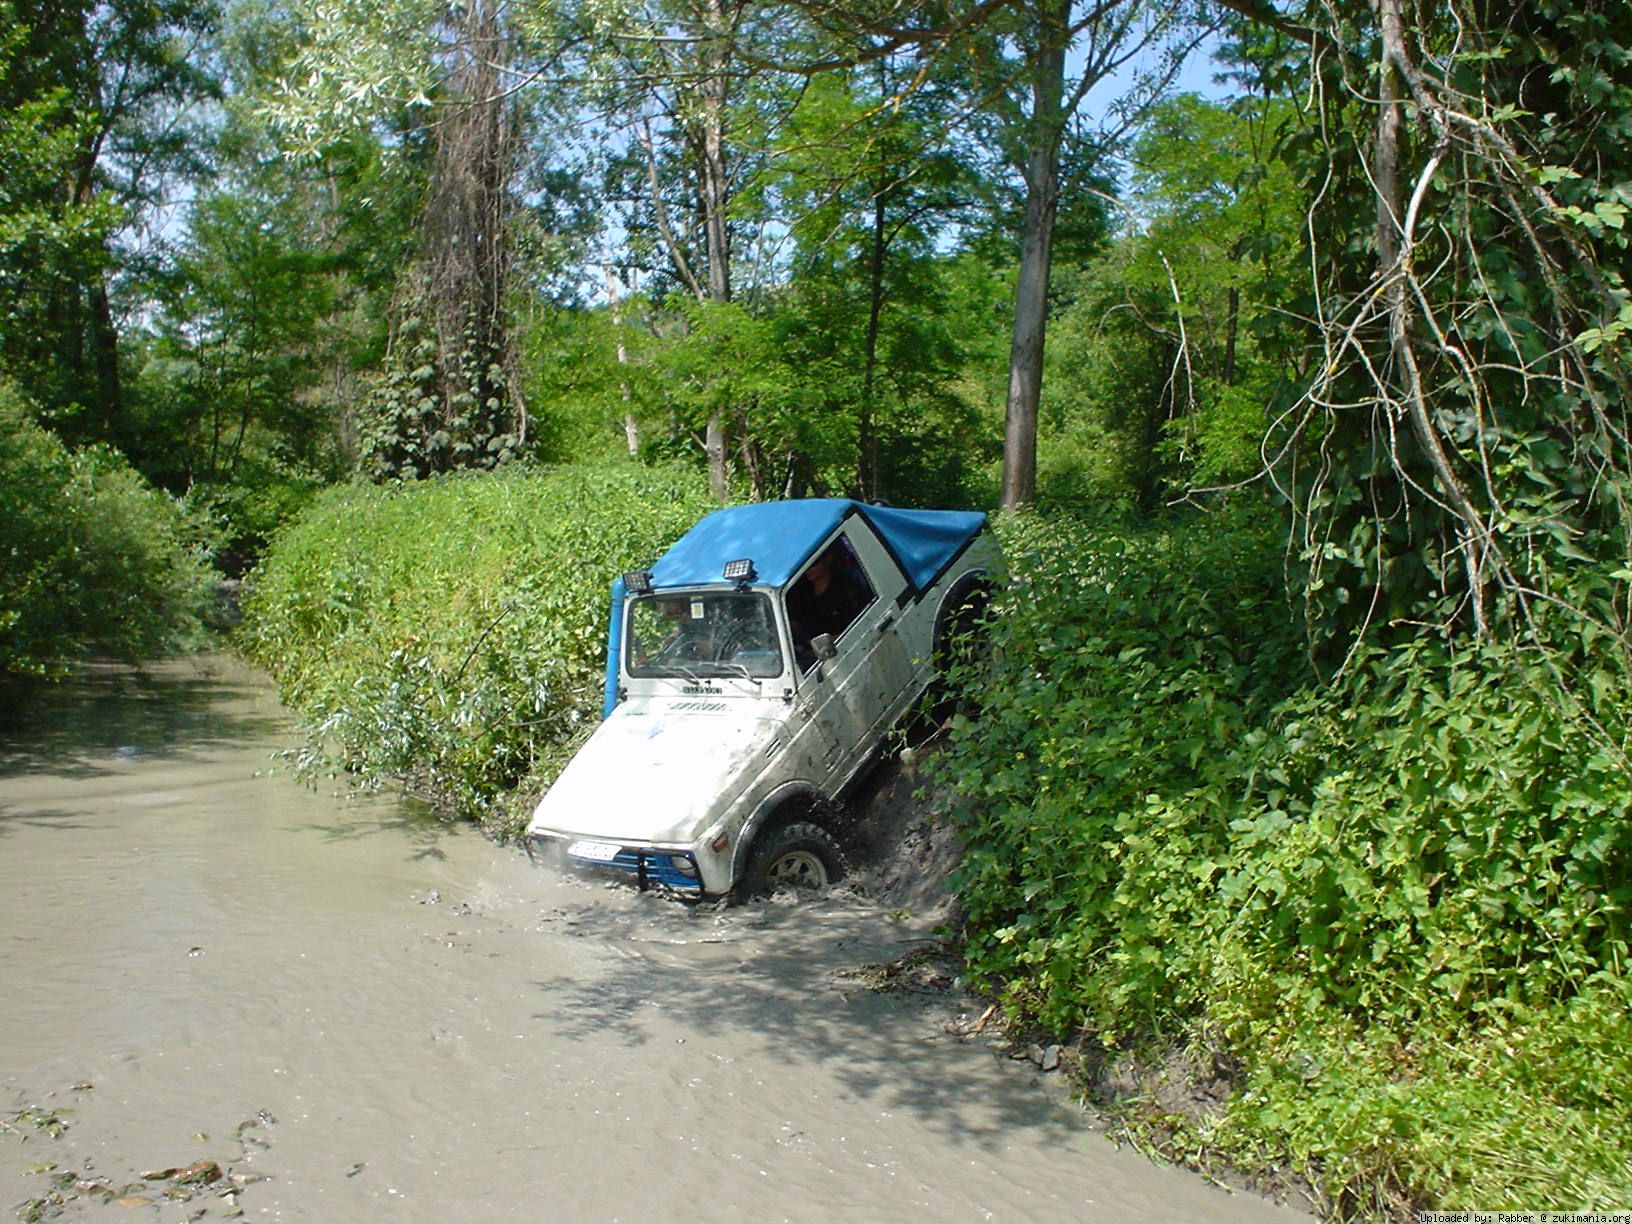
(638, 582)
(740, 571)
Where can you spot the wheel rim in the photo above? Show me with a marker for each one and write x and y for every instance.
(797, 869)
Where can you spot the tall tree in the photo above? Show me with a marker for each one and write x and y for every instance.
(1034, 64)
(1460, 456)
(464, 408)
(244, 363)
(104, 88)
(670, 84)
(874, 176)
(1170, 344)
(1040, 60)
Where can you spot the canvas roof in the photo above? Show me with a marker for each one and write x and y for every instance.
(779, 537)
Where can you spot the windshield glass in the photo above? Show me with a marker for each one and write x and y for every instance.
(698, 634)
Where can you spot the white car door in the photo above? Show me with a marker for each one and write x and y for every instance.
(852, 694)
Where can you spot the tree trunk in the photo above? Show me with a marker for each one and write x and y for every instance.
(715, 188)
(1042, 175)
(105, 354)
(104, 336)
(631, 427)
(714, 448)
(1385, 161)
(751, 461)
(467, 248)
(1476, 541)
(716, 193)
(866, 441)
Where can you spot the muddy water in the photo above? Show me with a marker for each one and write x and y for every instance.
(363, 1015)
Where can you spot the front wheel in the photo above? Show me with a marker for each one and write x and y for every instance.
(801, 856)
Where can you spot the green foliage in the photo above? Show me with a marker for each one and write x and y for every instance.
(1459, 452)
(790, 380)
(1399, 904)
(96, 112)
(1106, 705)
(865, 326)
(233, 402)
(1163, 360)
(429, 411)
(579, 392)
(91, 557)
(452, 631)
(351, 66)
(1524, 1109)
(50, 241)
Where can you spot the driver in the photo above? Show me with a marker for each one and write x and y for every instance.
(826, 600)
(684, 639)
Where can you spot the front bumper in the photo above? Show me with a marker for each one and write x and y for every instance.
(645, 866)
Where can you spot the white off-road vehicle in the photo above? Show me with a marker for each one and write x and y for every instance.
(752, 675)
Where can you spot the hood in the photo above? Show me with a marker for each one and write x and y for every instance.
(656, 774)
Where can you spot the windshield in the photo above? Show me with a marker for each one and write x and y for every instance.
(703, 634)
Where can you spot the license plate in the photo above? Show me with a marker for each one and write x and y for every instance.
(600, 852)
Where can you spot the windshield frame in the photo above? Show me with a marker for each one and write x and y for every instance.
(754, 642)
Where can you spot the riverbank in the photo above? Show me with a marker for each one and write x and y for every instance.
(1334, 905)
(1155, 1099)
(359, 1010)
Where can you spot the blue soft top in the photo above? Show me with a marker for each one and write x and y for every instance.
(780, 536)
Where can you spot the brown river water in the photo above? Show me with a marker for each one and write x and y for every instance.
(360, 1014)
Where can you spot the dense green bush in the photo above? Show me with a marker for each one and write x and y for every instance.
(1396, 903)
(452, 631)
(91, 556)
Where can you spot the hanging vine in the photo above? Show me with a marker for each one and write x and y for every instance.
(1459, 455)
(449, 396)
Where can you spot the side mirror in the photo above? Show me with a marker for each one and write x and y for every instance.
(823, 647)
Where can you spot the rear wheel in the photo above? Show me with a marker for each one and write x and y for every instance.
(800, 856)
(960, 645)
(960, 635)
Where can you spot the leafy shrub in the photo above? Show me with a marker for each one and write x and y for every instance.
(91, 558)
(452, 631)
(1125, 661)
(1398, 902)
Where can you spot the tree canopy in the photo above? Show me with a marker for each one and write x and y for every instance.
(1376, 272)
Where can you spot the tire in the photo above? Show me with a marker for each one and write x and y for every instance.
(958, 630)
(960, 642)
(801, 856)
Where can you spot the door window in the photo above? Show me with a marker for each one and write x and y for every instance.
(828, 598)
